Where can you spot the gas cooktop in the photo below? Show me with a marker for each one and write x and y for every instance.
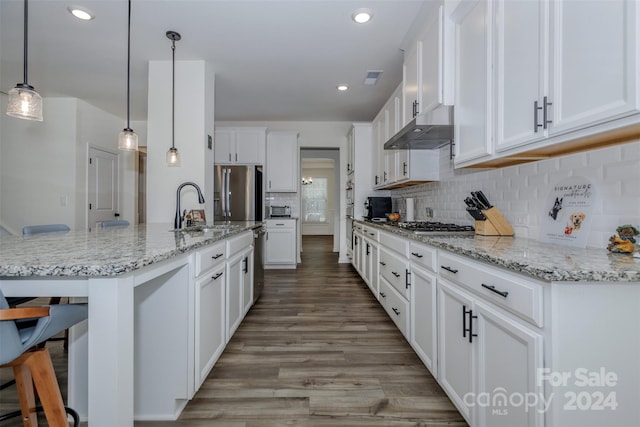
(433, 228)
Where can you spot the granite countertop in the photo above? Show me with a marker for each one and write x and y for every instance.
(104, 252)
(544, 261)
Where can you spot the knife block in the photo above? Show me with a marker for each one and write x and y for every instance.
(494, 225)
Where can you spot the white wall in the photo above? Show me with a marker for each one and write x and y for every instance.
(42, 163)
(520, 192)
(194, 108)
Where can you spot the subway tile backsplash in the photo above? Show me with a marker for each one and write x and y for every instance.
(520, 191)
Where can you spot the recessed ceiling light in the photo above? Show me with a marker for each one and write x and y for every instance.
(362, 15)
(342, 88)
(80, 13)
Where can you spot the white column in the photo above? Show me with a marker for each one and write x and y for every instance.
(194, 119)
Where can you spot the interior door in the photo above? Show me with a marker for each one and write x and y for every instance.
(103, 187)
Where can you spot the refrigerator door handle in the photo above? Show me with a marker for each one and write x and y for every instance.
(228, 193)
(223, 196)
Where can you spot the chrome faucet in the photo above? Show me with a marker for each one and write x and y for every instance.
(179, 218)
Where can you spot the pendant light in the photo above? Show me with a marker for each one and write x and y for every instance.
(128, 140)
(173, 157)
(24, 102)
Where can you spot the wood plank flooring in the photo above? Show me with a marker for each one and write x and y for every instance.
(317, 349)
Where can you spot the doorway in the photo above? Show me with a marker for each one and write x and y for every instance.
(321, 163)
(103, 193)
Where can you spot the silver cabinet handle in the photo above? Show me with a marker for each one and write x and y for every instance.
(545, 121)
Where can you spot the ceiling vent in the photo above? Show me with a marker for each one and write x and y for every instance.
(372, 77)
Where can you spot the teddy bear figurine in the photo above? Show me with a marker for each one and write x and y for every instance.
(625, 240)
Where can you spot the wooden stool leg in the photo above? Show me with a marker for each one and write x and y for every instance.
(44, 378)
(24, 384)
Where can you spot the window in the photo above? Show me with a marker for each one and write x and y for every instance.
(314, 201)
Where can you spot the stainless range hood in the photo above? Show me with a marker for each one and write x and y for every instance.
(428, 131)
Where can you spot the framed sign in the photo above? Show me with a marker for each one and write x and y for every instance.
(566, 218)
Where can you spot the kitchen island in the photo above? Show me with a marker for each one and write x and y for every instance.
(135, 355)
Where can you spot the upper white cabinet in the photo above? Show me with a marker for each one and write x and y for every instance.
(239, 146)
(472, 114)
(594, 62)
(411, 69)
(282, 162)
(561, 74)
(362, 137)
(428, 67)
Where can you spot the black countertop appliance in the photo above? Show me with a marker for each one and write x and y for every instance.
(377, 207)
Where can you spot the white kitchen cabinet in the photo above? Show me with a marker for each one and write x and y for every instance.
(350, 152)
(520, 57)
(436, 67)
(282, 162)
(560, 82)
(239, 146)
(210, 309)
(411, 95)
(239, 280)
(424, 331)
(362, 178)
(247, 280)
(234, 293)
(485, 352)
(455, 354)
(472, 113)
(594, 71)
(280, 249)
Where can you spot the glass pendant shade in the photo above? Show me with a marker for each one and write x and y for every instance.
(128, 140)
(24, 103)
(173, 157)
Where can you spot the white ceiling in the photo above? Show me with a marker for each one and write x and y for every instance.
(274, 60)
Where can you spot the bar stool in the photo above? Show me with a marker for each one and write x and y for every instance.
(33, 365)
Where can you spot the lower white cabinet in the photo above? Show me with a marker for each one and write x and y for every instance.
(396, 306)
(210, 321)
(234, 293)
(424, 321)
(280, 250)
(487, 360)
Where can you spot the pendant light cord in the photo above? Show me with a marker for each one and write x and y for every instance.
(128, 64)
(26, 32)
(173, 93)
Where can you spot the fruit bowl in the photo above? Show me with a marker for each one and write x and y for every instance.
(393, 217)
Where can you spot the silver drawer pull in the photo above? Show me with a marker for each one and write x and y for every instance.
(217, 276)
(493, 289)
(415, 254)
(217, 256)
(452, 270)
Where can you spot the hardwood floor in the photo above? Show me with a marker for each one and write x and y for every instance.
(317, 349)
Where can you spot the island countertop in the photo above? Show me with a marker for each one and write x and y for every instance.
(544, 261)
(104, 252)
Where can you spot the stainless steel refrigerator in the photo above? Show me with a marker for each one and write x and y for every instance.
(237, 193)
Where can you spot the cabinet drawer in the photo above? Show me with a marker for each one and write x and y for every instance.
(394, 269)
(210, 256)
(241, 242)
(422, 255)
(396, 243)
(513, 292)
(396, 306)
(370, 232)
(280, 223)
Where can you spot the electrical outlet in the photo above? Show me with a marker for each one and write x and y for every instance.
(64, 201)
